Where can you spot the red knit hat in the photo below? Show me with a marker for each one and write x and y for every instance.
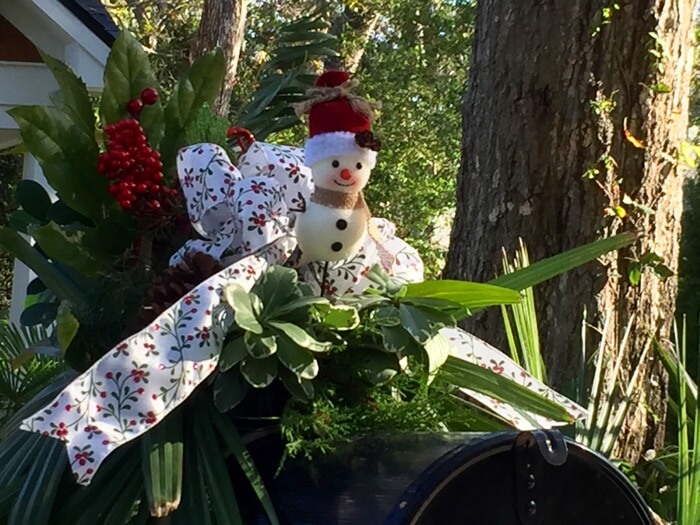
(334, 121)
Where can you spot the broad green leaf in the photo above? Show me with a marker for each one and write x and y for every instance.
(300, 336)
(11, 241)
(259, 372)
(464, 293)
(297, 359)
(243, 312)
(62, 214)
(216, 476)
(127, 73)
(415, 323)
(468, 375)
(162, 449)
(260, 346)
(299, 303)
(276, 287)
(396, 339)
(236, 446)
(233, 353)
(41, 313)
(22, 222)
(546, 269)
(33, 199)
(35, 286)
(33, 504)
(340, 317)
(68, 158)
(375, 366)
(230, 389)
(66, 249)
(387, 316)
(66, 326)
(75, 99)
(197, 86)
(301, 389)
(438, 350)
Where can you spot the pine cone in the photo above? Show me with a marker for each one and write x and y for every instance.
(173, 283)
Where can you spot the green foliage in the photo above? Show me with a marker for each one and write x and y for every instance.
(286, 76)
(522, 331)
(127, 73)
(416, 65)
(24, 371)
(10, 175)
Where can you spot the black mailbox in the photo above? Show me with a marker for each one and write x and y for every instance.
(507, 478)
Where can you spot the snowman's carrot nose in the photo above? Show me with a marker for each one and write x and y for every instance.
(345, 174)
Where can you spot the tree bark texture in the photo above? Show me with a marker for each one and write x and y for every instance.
(353, 29)
(558, 90)
(223, 26)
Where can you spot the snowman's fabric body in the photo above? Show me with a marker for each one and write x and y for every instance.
(341, 152)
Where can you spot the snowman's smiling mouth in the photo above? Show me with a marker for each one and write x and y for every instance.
(344, 185)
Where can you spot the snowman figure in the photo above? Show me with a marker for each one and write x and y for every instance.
(341, 152)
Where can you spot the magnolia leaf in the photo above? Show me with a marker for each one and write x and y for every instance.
(233, 353)
(62, 287)
(229, 390)
(259, 372)
(127, 73)
(66, 249)
(66, 326)
(243, 312)
(38, 313)
(300, 336)
(33, 199)
(75, 99)
(296, 358)
(68, 158)
(415, 322)
(260, 346)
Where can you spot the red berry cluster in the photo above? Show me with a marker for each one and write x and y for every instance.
(133, 167)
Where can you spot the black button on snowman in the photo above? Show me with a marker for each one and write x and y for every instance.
(341, 152)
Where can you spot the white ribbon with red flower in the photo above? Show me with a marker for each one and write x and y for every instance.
(245, 217)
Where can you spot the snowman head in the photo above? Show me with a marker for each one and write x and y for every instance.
(341, 149)
(342, 173)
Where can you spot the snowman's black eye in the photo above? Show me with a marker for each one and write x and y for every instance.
(358, 165)
(335, 163)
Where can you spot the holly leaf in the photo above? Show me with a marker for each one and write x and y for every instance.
(68, 158)
(127, 73)
(75, 99)
(198, 85)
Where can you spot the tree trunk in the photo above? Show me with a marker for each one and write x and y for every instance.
(223, 26)
(558, 93)
(353, 29)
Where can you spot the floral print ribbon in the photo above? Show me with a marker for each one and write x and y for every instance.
(244, 216)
